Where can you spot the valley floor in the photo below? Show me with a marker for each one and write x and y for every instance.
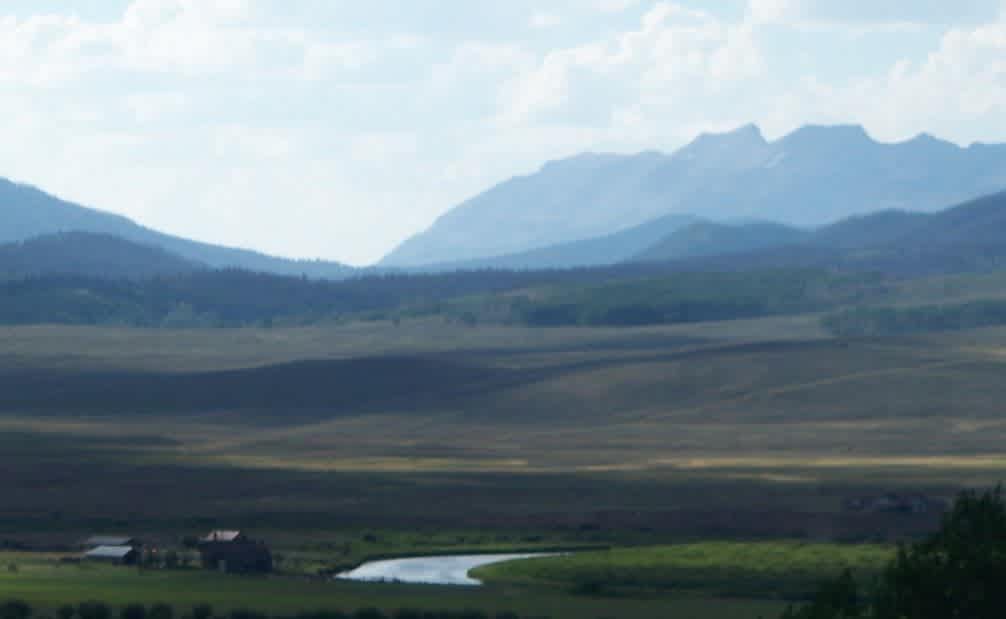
(371, 440)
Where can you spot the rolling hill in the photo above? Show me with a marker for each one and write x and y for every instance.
(811, 177)
(28, 212)
(89, 254)
(962, 239)
(712, 239)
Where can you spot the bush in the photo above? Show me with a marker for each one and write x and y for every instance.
(133, 611)
(15, 609)
(93, 610)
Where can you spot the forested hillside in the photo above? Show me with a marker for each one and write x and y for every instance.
(89, 254)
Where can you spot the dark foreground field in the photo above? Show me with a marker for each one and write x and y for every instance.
(363, 440)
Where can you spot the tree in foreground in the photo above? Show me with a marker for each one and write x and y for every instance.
(15, 609)
(958, 572)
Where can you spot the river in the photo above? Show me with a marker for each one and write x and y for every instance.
(447, 570)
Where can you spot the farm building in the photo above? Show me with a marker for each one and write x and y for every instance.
(224, 536)
(110, 540)
(122, 555)
(233, 552)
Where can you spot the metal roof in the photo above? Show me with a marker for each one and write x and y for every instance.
(109, 552)
(109, 540)
(222, 536)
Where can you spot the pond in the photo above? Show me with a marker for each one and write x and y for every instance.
(446, 570)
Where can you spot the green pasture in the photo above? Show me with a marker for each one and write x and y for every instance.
(778, 569)
(47, 584)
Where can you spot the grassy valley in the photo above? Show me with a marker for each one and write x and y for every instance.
(643, 437)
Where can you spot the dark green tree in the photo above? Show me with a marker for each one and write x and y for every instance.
(15, 609)
(960, 571)
(161, 611)
(93, 610)
(838, 599)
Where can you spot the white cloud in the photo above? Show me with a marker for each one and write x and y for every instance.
(614, 6)
(541, 20)
(958, 91)
(149, 107)
(773, 11)
(672, 45)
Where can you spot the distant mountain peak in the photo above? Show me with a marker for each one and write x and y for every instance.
(740, 148)
(838, 135)
(746, 135)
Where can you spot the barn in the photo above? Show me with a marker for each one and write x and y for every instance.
(233, 552)
(120, 555)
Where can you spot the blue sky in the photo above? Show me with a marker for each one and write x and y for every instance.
(335, 129)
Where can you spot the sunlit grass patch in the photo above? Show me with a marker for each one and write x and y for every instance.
(744, 569)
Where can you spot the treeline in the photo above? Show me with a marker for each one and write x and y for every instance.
(677, 298)
(16, 609)
(959, 571)
(616, 296)
(875, 321)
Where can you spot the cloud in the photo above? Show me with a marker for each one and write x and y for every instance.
(183, 37)
(542, 20)
(773, 11)
(671, 47)
(870, 14)
(614, 6)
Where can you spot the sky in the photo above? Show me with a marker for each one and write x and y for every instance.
(335, 129)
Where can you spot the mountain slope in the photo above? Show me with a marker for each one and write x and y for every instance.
(27, 212)
(711, 239)
(89, 254)
(600, 251)
(813, 176)
(965, 238)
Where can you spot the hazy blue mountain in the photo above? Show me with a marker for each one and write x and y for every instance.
(27, 212)
(609, 249)
(965, 238)
(865, 231)
(89, 254)
(712, 239)
(811, 177)
(979, 222)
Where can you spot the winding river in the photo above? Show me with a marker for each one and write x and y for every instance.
(447, 570)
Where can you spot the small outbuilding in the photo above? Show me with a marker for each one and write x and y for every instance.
(121, 555)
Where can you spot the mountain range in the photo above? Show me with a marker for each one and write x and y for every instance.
(811, 177)
(720, 196)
